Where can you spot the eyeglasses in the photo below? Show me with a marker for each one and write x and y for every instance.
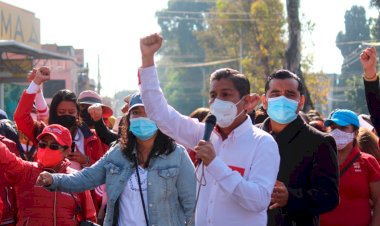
(42, 144)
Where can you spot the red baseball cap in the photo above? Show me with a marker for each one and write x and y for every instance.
(60, 134)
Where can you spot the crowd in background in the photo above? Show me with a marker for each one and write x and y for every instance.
(263, 162)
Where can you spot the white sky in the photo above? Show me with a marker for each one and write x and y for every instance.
(111, 29)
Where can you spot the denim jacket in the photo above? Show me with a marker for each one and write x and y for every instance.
(171, 185)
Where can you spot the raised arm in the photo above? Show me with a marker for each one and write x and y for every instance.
(22, 117)
(105, 134)
(371, 85)
(86, 179)
(181, 128)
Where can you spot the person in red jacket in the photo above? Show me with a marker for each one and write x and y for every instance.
(7, 192)
(1, 208)
(87, 148)
(37, 206)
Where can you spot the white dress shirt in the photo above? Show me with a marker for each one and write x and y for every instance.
(240, 179)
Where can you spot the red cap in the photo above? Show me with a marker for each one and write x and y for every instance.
(61, 134)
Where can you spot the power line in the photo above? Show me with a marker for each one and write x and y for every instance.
(217, 19)
(206, 13)
(191, 65)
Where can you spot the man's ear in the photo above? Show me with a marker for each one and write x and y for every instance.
(301, 103)
(251, 101)
(264, 101)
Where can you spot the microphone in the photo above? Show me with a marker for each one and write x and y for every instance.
(209, 127)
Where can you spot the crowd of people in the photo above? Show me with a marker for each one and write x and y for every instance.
(71, 163)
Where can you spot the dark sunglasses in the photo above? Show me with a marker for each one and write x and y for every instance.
(51, 146)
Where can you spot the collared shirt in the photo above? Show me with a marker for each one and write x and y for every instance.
(240, 180)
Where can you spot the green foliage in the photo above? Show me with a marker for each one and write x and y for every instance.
(355, 94)
(375, 3)
(250, 31)
(182, 84)
(12, 94)
(357, 30)
(119, 100)
(375, 30)
(319, 88)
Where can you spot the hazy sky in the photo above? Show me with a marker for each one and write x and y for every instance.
(111, 29)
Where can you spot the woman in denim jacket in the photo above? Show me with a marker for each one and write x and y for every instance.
(146, 166)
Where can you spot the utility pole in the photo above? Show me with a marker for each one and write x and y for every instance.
(99, 85)
(240, 51)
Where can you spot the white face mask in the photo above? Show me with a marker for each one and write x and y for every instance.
(342, 138)
(224, 111)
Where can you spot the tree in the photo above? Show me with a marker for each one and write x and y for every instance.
(293, 50)
(375, 3)
(12, 91)
(355, 94)
(248, 34)
(182, 83)
(357, 30)
(118, 101)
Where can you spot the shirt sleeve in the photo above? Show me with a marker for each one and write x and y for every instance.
(14, 168)
(371, 89)
(181, 128)
(374, 169)
(33, 88)
(253, 193)
(23, 119)
(41, 105)
(86, 179)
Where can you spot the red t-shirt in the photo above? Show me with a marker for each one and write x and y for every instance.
(354, 207)
(1, 208)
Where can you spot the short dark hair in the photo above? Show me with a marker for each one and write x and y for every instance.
(239, 80)
(61, 95)
(284, 74)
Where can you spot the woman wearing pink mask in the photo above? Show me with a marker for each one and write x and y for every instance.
(37, 206)
(359, 185)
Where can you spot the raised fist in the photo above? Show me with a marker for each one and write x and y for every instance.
(40, 75)
(95, 112)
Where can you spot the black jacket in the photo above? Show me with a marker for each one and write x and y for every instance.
(309, 170)
(371, 90)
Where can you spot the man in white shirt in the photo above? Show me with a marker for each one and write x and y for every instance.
(241, 161)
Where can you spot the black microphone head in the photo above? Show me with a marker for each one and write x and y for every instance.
(211, 119)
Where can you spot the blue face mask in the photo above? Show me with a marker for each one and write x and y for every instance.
(282, 110)
(143, 128)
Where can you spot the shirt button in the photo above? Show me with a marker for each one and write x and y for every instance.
(149, 183)
(150, 205)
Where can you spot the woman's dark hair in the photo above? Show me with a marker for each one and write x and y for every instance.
(61, 95)
(163, 144)
(200, 113)
(239, 80)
